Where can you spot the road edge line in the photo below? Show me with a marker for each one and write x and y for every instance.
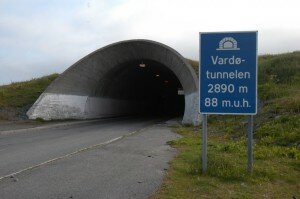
(11, 175)
(23, 130)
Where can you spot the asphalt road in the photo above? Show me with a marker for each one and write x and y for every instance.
(119, 158)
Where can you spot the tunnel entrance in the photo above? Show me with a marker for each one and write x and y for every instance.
(148, 83)
(124, 78)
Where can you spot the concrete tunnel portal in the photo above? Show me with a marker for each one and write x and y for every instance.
(124, 78)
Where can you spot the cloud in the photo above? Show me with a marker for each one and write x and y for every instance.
(42, 37)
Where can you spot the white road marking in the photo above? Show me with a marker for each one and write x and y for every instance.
(71, 154)
(50, 126)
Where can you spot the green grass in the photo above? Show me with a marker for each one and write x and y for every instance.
(276, 150)
(16, 98)
(24, 93)
(283, 68)
(276, 168)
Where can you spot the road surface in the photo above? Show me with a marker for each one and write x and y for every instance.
(116, 158)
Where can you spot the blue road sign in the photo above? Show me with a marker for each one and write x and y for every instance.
(228, 73)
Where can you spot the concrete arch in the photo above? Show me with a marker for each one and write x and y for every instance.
(98, 85)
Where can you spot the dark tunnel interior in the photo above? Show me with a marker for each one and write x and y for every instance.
(144, 81)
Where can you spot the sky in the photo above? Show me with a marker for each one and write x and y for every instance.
(41, 37)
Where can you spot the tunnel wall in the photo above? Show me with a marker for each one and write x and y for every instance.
(59, 106)
(75, 93)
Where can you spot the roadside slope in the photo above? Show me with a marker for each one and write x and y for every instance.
(16, 98)
(276, 151)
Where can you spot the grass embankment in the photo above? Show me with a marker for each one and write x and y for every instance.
(276, 151)
(16, 98)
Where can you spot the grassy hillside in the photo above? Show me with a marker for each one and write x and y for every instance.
(16, 98)
(276, 151)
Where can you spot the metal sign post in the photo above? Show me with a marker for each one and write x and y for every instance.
(228, 80)
(250, 143)
(204, 143)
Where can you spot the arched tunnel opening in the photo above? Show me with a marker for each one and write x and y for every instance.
(124, 78)
(148, 83)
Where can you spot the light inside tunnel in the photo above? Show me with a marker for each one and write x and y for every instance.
(131, 82)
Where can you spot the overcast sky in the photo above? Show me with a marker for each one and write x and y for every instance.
(40, 37)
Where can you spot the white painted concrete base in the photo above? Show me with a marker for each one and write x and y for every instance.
(58, 106)
(191, 113)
